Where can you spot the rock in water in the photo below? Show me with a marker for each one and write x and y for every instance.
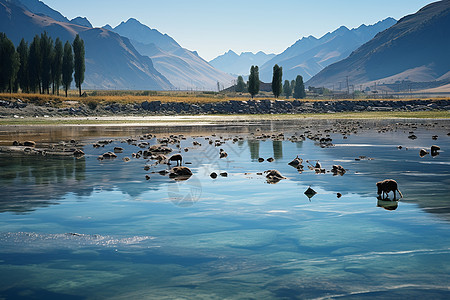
(296, 162)
(423, 152)
(223, 154)
(29, 144)
(180, 173)
(435, 150)
(78, 153)
(338, 170)
(274, 176)
(310, 193)
(118, 149)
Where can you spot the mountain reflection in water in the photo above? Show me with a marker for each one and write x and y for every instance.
(33, 182)
(110, 229)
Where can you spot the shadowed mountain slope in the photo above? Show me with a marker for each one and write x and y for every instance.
(416, 48)
(111, 60)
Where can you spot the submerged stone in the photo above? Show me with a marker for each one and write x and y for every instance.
(310, 193)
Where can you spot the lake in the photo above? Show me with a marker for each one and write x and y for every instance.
(83, 228)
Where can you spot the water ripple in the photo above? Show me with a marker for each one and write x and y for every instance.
(66, 240)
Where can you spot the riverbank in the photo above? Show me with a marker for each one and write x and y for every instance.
(203, 119)
(89, 111)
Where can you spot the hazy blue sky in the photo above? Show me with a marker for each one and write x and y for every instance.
(212, 27)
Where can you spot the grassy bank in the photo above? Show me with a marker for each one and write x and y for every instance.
(222, 118)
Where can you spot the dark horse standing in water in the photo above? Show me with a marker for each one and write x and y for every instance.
(176, 157)
(386, 186)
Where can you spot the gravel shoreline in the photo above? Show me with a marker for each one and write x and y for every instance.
(18, 108)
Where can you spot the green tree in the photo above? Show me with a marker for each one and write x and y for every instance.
(22, 74)
(292, 84)
(287, 90)
(277, 81)
(240, 86)
(57, 66)
(46, 62)
(34, 65)
(253, 81)
(299, 89)
(9, 63)
(67, 67)
(79, 64)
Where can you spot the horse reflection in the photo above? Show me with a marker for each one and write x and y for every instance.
(387, 204)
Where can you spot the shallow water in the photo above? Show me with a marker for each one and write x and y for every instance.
(88, 229)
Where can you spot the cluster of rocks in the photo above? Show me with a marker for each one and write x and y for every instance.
(266, 106)
(289, 107)
(13, 104)
(63, 148)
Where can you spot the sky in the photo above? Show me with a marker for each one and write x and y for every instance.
(212, 27)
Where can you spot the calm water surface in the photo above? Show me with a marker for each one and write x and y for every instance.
(89, 229)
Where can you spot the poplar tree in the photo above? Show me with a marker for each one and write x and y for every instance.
(46, 62)
(287, 90)
(277, 81)
(299, 89)
(67, 67)
(22, 74)
(253, 81)
(57, 66)
(9, 63)
(79, 53)
(34, 65)
(240, 86)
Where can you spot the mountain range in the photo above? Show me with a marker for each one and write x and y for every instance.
(310, 55)
(111, 60)
(129, 56)
(134, 56)
(183, 68)
(416, 49)
(235, 64)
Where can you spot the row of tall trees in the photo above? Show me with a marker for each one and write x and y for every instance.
(42, 65)
(295, 88)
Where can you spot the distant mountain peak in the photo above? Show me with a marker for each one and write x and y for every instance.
(108, 27)
(309, 37)
(309, 55)
(137, 31)
(131, 21)
(239, 64)
(82, 21)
